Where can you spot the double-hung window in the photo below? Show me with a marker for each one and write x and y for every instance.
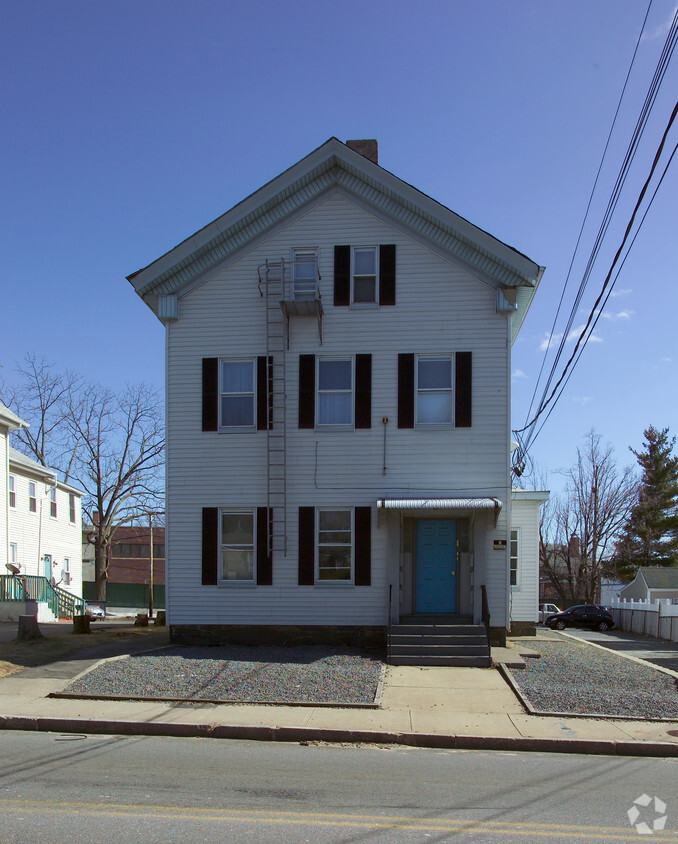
(335, 546)
(66, 571)
(305, 274)
(14, 553)
(514, 555)
(32, 498)
(71, 508)
(237, 394)
(53, 502)
(12, 491)
(434, 390)
(364, 287)
(335, 391)
(237, 546)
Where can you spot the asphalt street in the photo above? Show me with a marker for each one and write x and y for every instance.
(71, 788)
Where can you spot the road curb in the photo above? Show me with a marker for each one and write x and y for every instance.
(334, 736)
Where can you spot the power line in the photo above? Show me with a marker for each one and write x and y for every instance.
(556, 392)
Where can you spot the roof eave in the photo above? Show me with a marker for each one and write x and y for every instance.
(519, 270)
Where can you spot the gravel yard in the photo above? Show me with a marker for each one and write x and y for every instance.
(575, 677)
(238, 674)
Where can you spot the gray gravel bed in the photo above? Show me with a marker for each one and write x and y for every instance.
(578, 678)
(238, 673)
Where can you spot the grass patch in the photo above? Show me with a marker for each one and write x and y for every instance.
(19, 655)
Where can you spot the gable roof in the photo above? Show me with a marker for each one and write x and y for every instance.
(21, 462)
(660, 577)
(9, 419)
(335, 165)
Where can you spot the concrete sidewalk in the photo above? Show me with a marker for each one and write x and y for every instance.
(425, 707)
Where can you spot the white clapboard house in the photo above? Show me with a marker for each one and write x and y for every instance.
(40, 535)
(338, 417)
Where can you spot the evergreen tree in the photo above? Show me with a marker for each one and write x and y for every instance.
(650, 536)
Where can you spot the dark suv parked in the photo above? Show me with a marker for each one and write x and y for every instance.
(586, 615)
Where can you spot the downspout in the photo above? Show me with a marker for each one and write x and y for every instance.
(7, 496)
(507, 452)
(17, 428)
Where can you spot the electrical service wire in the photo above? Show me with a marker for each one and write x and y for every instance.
(524, 442)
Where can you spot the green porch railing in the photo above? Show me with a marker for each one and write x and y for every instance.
(31, 587)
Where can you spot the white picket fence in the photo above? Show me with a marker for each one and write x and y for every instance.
(658, 619)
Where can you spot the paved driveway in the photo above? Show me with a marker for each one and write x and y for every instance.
(656, 651)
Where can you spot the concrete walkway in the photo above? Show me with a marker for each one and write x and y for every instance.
(434, 707)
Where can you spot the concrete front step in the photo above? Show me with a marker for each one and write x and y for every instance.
(479, 649)
(451, 661)
(437, 639)
(439, 629)
(439, 644)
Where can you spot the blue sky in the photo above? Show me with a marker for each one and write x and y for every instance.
(129, 125)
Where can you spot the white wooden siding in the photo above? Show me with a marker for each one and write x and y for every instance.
(525, 595)
(4, 504)
(439, 309)
(37, 534)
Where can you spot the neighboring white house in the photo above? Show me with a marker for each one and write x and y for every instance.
(524, 559)
(338, 411)
(41, 519)
(9, 421)
(652, 583)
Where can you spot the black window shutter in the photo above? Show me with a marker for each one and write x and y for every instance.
(363, 391)
(387, 275)
(406, 391)
(306, 391)
(210, 545)
(342, 276)
(363, 546)
(264, 558)
(306, 546)
(264, 397)
(210, 394)
(463, 393)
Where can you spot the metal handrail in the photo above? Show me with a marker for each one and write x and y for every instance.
(388, 624)
(485, 610)
(36, 588)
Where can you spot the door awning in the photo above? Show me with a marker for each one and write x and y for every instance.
(439, 504)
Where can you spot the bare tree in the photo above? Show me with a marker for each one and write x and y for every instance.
(118, 463)
(111, 445)
(580, 526)
(41, 396)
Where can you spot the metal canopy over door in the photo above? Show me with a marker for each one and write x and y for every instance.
(436, 569)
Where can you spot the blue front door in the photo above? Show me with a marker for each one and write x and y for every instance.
(436, 580)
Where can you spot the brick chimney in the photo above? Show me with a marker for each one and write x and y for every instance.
(367, 148)
(573, 546)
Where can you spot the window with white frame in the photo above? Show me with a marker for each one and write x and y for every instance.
(53, 502)
(12, 491)
(71, 508)
(237, 400)
(14, 553)
(66, 571)
(32, 498)
(514, 555)
(305, 274)
(237, 546)
(335, 546)
(434, 390)
(365, 272)
(335, 391)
